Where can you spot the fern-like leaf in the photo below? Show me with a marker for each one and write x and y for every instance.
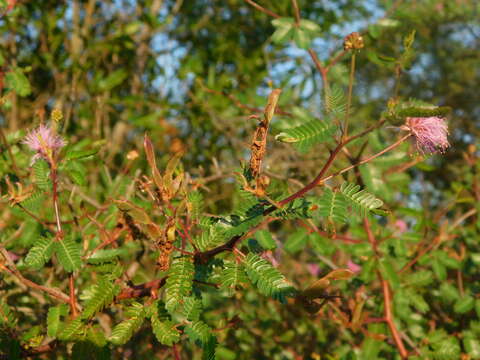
(305, 136)
(195, 201)
(72, 330)
(165, 331)
(360, 200)
(192, 307)
(40, 253)
(210, 237)
(103, 293)
(34, 202)
(7, 318)
(122, 332)
(199, 332)
(269, 281)
(297, 209)
(335, 101)
(232, 275)
(179, 282)
(333, 206)
(242, 226)
(68, 254)
(105, 255)
(202, 334)
(41, 174)
(53, 319)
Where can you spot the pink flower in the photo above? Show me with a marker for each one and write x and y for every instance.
(353, 267)
(44, 142)
(430, 133)
(313, 269)
(401, 226)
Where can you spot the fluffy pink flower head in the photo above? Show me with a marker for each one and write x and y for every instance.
(353, 267)
(430, 133)
(44, 142)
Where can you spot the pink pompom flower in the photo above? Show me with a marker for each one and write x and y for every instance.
(353, 267)
(430, 133)
(44, 142)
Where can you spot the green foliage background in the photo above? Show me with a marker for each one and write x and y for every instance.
(189, 74)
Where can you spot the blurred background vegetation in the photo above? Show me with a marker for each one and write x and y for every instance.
(191, 72)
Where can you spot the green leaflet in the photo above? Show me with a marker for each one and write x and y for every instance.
(7, 318)
(335, 101)
(195, 201)
(179, 282)
(305, 136)
(123, 331)
(333, 206)
(297, 209)
(446, 349)
(77, 172)
(80, 154)
(16, 80)
(40, 253)
(34, 202)
(53, 318)
(41, 174)
(72, 329)
(232, 275)
(360, 200)
(210, 237)
(105, 255)
(296, 241)
(199, 332)
(269, 281)
(165, 331)
(192, 307)
(103, 294)
(68, 254)
(266, 240)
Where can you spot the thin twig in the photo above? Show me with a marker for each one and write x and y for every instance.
(11, 269)
(296, 12)
(390, 321)
(262, 9)
(72, 302)
(364, 161)
(387, 298)
(349, 96)
(176, 353)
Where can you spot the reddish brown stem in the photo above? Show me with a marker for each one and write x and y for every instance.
(387, 298)
(57, 294)
(390, 321)
(141, 290)
(72, 301)
(370, 236)
(176, 353)
(317, 179)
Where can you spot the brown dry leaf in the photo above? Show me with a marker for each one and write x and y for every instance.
(259, 142)
(150, 152)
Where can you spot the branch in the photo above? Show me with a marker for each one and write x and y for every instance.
(388, 313)
(142, 289)
(390, 321)
(262, 9)
(11, 269)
